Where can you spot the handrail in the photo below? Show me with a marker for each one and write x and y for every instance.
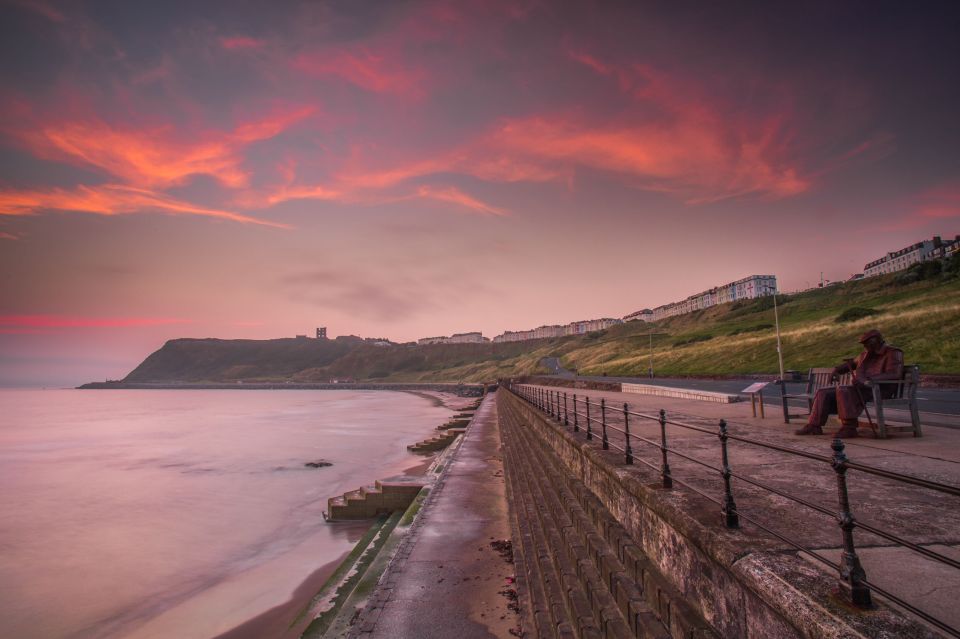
(557, 405)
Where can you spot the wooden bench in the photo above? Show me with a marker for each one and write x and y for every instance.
(905, 394)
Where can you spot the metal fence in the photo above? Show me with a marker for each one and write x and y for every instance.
(594, 420)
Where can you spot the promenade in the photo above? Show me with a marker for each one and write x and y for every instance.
(451, 578)
(928, 519)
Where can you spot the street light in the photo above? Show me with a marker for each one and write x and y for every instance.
(650, 335)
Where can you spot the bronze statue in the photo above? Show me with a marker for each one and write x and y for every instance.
(878, 362)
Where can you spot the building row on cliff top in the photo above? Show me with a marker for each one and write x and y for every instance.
(747, 288)
(474, 337)
(923, 251)
(558, 330)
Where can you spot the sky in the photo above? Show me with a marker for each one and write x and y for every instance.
(411, 169)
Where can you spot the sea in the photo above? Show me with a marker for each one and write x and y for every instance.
(184, 513)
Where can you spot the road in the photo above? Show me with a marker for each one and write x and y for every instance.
(945, 401)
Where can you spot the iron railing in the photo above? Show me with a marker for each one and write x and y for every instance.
(566, 410)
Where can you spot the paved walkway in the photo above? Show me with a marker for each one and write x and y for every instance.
(448, 578)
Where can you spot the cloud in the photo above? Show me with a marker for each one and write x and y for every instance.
(39, 322)
(235, 43)
(456, 196)
(159, 156)
(375, 72)
(111, 199)
(941, 202)
(8, 236)
(381, 297)
(41, 8)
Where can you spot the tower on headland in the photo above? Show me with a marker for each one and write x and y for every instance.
(321, 332)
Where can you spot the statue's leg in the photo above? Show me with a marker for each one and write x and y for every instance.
(849, 407)
(824, 404)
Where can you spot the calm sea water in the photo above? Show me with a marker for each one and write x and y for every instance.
(180, 513)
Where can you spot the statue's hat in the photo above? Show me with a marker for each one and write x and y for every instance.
(871, 333)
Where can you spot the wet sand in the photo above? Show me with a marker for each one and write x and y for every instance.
(280, 621)
(277, 621)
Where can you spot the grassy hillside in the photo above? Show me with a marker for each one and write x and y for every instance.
(918, 311)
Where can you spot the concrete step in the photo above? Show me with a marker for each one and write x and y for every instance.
(648, 603)
(369, 501)
(613, 605)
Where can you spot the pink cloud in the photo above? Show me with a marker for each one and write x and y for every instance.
(42, 8)
(8, 236)
(110, 199)
(34, 322)
(940, 202)
(458, 197)
(375, 72)
(235, 43)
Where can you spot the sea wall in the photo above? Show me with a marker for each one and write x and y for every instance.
(699, 580)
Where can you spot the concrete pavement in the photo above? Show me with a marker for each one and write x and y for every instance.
(452, 579)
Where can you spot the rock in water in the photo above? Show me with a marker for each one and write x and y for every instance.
(318, 464)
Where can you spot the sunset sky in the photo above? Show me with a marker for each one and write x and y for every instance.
(407, 169)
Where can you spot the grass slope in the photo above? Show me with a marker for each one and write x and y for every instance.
(918, 311)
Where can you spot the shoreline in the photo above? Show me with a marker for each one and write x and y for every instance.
(281, 621)
(461, 390)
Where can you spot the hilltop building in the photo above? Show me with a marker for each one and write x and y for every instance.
(322, 332)
(558, 330)
(749, 287)
(474, 337)
(646, 315)
(923, 251)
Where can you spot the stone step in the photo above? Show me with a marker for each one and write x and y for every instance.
(370, 501)
(556, 572)
(648, 603)
(578, 550)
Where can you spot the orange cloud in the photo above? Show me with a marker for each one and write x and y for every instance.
(155, 157)
(456, 196)
(369, 71)
(110, 199)
(241, 42)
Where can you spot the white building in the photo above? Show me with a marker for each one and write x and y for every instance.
(904, 258)
(474, 337)
(558, 330)
(747, 288)
(646, 315)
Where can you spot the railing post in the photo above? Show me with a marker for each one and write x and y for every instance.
(589, 425)
(664, 465)
(550, 402)
(626, 432)
(852, 574)
(556, 395)
(576, 421)
(729, 509)
(603, 422)
(566, 415)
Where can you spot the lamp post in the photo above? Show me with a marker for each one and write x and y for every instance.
(650, 335)
(776, 320)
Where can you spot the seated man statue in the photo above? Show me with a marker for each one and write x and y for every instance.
(877, 362)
